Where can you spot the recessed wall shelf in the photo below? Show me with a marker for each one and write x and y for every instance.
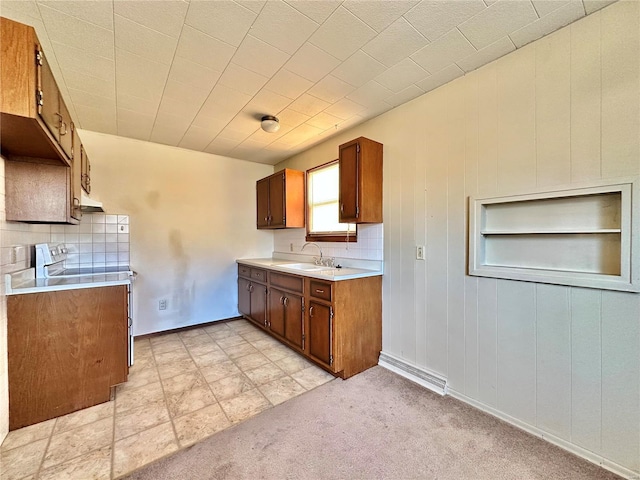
(579, 236)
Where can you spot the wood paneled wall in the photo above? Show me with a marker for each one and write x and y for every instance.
(562, 110)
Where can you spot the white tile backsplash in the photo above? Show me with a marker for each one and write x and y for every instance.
(102, 247)
(99, 240)
(369, 245)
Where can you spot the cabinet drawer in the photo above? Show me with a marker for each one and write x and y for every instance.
(258, 275)
(288, 282)
(244, 271)
(321, 290)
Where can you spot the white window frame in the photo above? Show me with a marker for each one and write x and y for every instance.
(345, 235)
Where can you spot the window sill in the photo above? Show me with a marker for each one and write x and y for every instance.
(332, 238)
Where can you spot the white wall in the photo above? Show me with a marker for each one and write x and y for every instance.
(191, 215)
(558, 360)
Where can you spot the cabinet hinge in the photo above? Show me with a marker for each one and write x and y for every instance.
(39, 100)
(330, 313)
(357, 211)
(330, 359)
(357, 148)
(284, 220)
(39, 57)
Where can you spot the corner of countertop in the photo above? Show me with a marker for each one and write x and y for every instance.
(14, 280)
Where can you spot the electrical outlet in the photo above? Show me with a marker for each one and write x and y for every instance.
(419, 252)
(162, 304)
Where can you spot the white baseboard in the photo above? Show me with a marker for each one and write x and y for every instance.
(564, 444)
(425, 378)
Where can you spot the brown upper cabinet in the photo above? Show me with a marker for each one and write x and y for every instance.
(35, 121)
(280, 200)
(40, 193)
(50, 105)
(76, 173)
(85, 169)
(360, 181)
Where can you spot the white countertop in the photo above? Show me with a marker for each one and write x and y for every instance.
(24, 281)
(326, 273)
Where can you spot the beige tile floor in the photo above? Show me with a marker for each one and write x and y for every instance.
(183, 388)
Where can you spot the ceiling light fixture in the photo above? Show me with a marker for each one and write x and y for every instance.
(270, 124)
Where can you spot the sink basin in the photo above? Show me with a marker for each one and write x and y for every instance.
(307, 267)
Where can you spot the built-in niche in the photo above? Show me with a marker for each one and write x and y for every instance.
(583, 236)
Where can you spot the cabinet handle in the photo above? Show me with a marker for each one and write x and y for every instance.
(63, 125)
(251, 287)
(342, 208)
(319, 291)
(76, 202)
(266, 219)
(286, 301)
(282, 299)
(311, 311)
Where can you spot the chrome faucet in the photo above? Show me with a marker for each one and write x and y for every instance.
(313, 243)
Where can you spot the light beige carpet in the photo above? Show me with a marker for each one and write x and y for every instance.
(376, 425)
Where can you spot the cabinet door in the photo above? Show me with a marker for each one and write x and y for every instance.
(66, 349)
(65, 134)
(85, 169)
(349, 182)
(76, 172)
(276, 200)
(294, 320)
(23, 179)
(49, 110)
(244, 297)
(277, 311)
(262, 198)
(259, 303)
(321, 332)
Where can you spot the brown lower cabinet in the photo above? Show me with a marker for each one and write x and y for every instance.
(66, 349)
(252, 294)
(337, 325)
(321, 332)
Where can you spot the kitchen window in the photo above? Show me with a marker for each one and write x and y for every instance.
(322, 206)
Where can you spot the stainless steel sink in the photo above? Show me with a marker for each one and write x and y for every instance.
(306, 267)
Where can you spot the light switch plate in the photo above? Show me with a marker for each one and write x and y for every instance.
(419, 252)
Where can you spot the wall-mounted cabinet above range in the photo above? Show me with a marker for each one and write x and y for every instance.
(48, 166)
(35, 121)
(280, 200)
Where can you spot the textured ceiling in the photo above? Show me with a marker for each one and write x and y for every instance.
(199, 74)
